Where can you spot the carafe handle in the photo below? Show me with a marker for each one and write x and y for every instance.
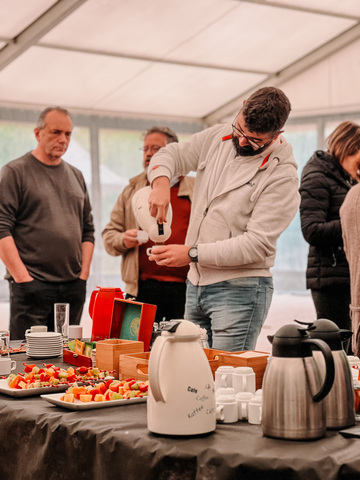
(329, 368)
(154, 368)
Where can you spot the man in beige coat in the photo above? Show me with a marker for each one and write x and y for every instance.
(145, 281)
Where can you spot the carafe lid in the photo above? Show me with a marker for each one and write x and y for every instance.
(288, 342)
(182, 330)
(328, 331)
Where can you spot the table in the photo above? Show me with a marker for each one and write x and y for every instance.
(41, 441)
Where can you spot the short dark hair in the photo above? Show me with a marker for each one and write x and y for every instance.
(266, 110)
(41, 120)
(171, 137)
(344, 140)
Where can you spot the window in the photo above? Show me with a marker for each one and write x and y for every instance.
(292, 249)
(108, 170)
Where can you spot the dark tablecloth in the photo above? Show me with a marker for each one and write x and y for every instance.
(42, 441)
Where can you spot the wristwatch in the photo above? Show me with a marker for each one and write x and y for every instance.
(193, 253)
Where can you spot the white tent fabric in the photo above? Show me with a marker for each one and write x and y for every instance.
(181, 59)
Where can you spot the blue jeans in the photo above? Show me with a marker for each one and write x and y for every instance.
(232, 312)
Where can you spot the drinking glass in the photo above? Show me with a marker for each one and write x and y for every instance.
(61, 319)
(4, 343)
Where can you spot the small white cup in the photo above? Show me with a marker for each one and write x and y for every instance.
(142, 236)
(255, 410)
(243, 399)
(7, 365)
(75, 331)
(220, 413)
(229, 408)
(224, 391)
(223, 376)
(244, 380)
(36, 328)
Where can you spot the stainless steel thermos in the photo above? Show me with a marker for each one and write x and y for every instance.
(293, 386)
(339, 403)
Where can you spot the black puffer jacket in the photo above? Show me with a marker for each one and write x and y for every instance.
(324, 185)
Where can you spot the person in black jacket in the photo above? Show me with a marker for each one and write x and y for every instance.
(325, 181)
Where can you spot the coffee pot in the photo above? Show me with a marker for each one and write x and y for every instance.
(339, 403)
(181, 399)
(157, 232)
(100, 310)
(293, 387)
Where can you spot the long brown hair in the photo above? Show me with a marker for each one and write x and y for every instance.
(344, 140)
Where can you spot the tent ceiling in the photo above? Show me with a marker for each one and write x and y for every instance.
(185, 59)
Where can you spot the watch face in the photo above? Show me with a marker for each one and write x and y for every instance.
(193, 253)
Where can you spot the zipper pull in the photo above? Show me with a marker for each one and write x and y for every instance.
(205, 212)
(334, 260)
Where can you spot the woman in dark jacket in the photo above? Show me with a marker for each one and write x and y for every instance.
(325, 181)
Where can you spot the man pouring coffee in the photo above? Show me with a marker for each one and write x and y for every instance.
(245, 195)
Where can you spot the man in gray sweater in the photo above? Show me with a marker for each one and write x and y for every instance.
(46, 228)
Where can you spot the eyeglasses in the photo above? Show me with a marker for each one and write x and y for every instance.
(152, 148)
(254, 143)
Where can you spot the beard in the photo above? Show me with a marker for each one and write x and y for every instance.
(247, 150)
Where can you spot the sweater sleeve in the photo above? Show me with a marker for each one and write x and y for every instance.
(9, 200)
(178, 159)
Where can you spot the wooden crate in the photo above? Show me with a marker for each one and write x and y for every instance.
(109, 351)
(213, 358)
(134, 366)
(137, 364)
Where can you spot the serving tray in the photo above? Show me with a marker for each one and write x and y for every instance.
(30, 392)
(78, 405)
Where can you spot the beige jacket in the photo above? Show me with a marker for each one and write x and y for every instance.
(122, 219)
(241, 205)
(349, 216)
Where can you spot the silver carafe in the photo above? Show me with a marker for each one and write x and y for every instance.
(339, 403)
(293, 387)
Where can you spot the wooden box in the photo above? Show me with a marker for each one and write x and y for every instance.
(133, 321)
(109, 351)
(137, 365)
(213, 358)
(76, 358)
(134, 365)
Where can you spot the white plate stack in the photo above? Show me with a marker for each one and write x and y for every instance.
(44, 344)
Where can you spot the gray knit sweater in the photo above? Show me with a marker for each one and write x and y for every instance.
(47, 211)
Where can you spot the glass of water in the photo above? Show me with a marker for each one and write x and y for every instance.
(61, 319)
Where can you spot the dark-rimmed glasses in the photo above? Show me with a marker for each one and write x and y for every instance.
(253, 143)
